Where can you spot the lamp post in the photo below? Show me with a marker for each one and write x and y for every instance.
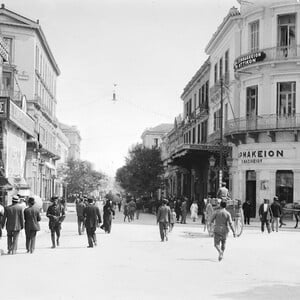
(221, 135)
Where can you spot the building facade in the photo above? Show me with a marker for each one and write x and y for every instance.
(152, 137)
(73, 135)
(265, 128)
(31, 71)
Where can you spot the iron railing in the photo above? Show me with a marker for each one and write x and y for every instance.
(13, 95)
(262, 122)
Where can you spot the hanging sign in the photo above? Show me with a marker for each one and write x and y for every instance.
(249, 59)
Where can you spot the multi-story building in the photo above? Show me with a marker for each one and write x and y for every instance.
(31, 70)
(152, 137)
(265, 127)
(73, 135)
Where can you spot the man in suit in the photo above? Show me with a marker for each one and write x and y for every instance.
(276, 212)
(163, 219)
(56, 215)
(92, 219)
(247, 212)
(265, 215)
(13, 217)
(32, 218)
(80, 205)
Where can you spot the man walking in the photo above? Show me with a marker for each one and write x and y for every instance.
(163, 219)
(276, 212)
(265, 215)
(80, 218)
(247, 212)
(32, 218)
(92, 219)
(13, 217)
(183, 210)
(223, 221)
(56, 215)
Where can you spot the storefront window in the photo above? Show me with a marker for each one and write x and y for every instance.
(286, 98)
(285, 186)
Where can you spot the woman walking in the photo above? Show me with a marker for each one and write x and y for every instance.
(108, 213)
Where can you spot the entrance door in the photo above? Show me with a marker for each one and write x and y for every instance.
(251, 191)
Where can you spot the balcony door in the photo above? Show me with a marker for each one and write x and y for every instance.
(251, 107)
(287, 35)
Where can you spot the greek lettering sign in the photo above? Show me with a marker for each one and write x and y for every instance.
(249, 59)
(258, 155)
(3, 49)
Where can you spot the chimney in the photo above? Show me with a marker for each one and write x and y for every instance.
(2, 5)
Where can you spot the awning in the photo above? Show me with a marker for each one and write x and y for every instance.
(19, 183)
(50, 166)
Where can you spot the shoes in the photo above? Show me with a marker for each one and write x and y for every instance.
(53, 246)
(57, 242)
(89, 246)
(221, 256)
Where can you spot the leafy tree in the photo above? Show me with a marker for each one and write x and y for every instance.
(80, 177)
(142, 171)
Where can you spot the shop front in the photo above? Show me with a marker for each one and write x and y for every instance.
(262, 171)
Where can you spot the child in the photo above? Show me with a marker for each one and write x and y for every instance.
(172, 219)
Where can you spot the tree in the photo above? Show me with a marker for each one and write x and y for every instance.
(80, 177)
(142, 172)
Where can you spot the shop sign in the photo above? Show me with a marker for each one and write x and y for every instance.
(3, 49)
(249, 59)
(257, 156)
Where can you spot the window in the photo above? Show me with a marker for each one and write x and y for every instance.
(286, 98)
(7, 81)
(254, 36)
(199, 97)
(204, 132)
(189, 137)
(217, 120)
(252, 96)
(216, 73)
(285, 185)
(226, 65)
(195, 101)
(221, 68)
(206, 92)
(198, 134)
(155, 142)
(287, 35)
(9, 42)
(194, 135)
(203, 93)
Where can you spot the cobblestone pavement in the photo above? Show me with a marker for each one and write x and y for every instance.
(132, 263)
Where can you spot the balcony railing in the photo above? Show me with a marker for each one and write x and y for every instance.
(280, 53)
(262, 122)
(14, 95)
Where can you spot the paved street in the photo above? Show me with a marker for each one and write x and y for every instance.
(132, 263)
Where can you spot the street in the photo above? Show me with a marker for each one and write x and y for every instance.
(132, 263)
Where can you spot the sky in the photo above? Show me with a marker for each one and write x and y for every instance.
(149, 49)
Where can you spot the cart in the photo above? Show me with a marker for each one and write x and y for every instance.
(235, 210)
(292, 209)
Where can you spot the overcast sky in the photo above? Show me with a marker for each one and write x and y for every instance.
(150, 49)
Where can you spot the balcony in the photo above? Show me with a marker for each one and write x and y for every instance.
(13, 95)
(274, 54)
(270, 122)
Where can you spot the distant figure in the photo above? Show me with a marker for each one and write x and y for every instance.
(276, 212)
(282, 204)
(194, 211)
(178, 209)
(223, 221)
(172, 219)
(139, 207)
(265, 215)
(14, 219)
(208, 215)
(183, 210)
(108, 213)
(163, 218)
(223, 192)
(126, 212)
(92, 219)
(132, 208)
(32, 218)
(247, 211)
(56, 215)
(80, 205)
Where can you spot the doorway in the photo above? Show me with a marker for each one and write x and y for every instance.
(251, 191)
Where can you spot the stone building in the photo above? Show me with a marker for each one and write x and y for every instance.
(73, 135)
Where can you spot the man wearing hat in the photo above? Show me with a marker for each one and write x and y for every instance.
(32, 218)
(163, 219)
(13, 217)
(56, 215)
(265, 215)
(92, 219)
(223, 192)
(277, 212)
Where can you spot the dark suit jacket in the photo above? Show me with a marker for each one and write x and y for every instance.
(164, 214)
(265, 215)
(92, 216)
(13, 216)
(32, 218)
